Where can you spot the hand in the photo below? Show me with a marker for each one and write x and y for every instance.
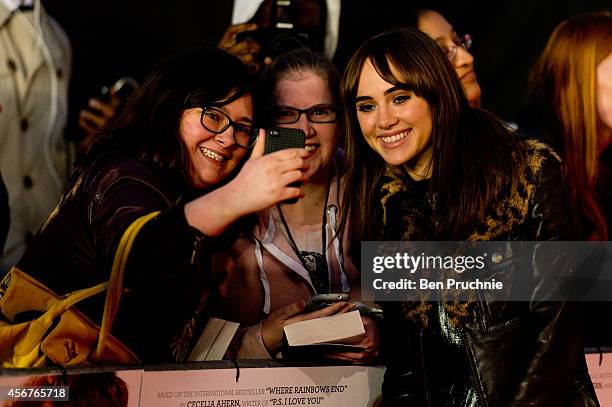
(265, 180)
(272, 326)
(262, 182)
(247, 50)
(228, 41)
(95, 116)
(370, 342)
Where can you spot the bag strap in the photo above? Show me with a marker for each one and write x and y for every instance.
(115, 284)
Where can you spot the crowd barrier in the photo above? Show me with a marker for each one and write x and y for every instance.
(244, 383)
(227, 383)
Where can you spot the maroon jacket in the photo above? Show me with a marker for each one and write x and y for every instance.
(75, 248)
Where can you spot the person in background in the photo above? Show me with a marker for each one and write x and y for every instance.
(455, 47)
(35, 159)
(322, 25)
(5, 214)
(424, 165)
(571, 109)
(178, 147)
(332, 22)
(286, 26)
(294, 250)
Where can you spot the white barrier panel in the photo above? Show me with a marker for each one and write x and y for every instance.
(328, 386)
(323, 386)
(601, 376)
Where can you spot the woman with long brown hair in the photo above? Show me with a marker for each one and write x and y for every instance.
(572, 86)
(424, 165)
(571, 109)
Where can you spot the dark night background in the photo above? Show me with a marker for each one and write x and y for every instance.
(113, 38)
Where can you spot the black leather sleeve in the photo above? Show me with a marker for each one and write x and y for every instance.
(552, 333)
(549, 207)
(403, 384)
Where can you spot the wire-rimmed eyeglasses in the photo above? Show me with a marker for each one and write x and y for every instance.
(464, 42)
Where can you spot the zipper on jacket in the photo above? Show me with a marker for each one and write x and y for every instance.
(197, 241)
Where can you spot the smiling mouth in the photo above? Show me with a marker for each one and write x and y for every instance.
(211, 154)
(395, 137)
(310, 148)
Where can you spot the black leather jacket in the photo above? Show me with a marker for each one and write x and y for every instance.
(75, 248)
(502, 353)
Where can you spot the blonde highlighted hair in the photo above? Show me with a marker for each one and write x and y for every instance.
(565, 76)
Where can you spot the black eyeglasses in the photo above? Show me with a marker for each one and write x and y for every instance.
(316, 114)
(217, 121)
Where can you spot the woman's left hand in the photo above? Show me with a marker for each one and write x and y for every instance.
(370, 342)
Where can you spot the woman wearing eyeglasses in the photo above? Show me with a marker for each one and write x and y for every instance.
(455, 47)
(179, 147)
(293, 252)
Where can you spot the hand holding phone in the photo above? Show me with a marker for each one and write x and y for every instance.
(323, 300)
(280, 138)
(118, 93)
(366, 310)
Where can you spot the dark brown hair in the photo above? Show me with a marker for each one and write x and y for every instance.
(472, 161)
(148, 127)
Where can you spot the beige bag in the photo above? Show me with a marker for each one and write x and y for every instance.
(75, 339)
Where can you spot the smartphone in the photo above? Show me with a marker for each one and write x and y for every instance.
(122, 89)
(280, 138)
(367, 310)
(323, 300)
